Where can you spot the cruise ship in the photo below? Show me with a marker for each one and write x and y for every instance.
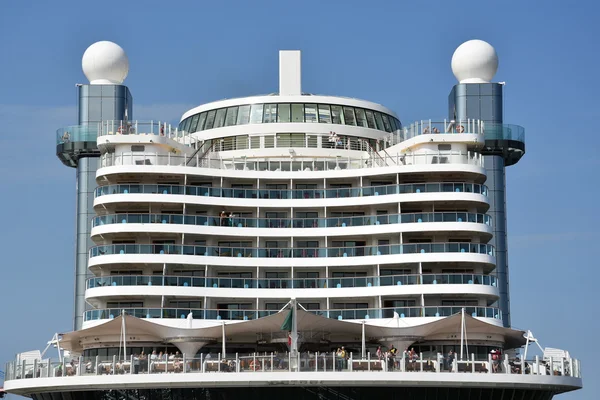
(291, 244)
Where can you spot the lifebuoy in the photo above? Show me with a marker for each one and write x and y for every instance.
(460, 129)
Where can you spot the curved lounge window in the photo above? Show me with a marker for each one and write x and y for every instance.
(290, 112)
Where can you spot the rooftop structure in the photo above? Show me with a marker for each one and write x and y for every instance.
(305, 237)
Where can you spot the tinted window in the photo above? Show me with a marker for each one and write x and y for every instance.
(194, 123)
(220, 118)
(370, 119)
(361, 119)
(256, 114)
(270, 113)
(231, 116)
(297, 112)
(283, 113)
(201, 121)
(243, 115)
(310, 112)
(349, 116)
(210, 119)
(324, 114)
(336, 115)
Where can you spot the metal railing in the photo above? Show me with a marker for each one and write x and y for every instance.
(288, 283)
(330, 222)
(292, 252)
(325, 362)
(302, 163)
(339, 314)
(154, 128)
(208, 191)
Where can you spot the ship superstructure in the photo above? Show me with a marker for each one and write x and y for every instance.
(303, 236)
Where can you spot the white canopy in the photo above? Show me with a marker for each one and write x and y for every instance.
(307, 323)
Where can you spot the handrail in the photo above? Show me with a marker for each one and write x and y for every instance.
(252, 314)
(553, 369)
(292, 283)
(291, 252)
(262, 222)
(210, 191)
(193, 155)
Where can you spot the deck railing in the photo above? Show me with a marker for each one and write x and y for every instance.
(278, 194)
(324, 362)
(339, 314)
(296, 283)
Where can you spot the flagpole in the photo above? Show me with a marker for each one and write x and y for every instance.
(294, 346)
(462, 331)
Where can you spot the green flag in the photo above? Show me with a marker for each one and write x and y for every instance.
(287, 324)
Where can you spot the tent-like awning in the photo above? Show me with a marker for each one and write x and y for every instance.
(306, 321)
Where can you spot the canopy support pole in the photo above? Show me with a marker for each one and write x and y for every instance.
(364, 345)
(223, 345)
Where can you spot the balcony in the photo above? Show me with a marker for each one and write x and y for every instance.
(73, 142)
(296, 283)
(236, 222)
(409, 188)
(329, 252)
(339, 314)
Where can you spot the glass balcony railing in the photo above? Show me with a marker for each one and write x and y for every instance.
(443, 187)
(504, 132)
(340, 314)
(296, 283)
(202, 220)
(268, 252)
(77, 133)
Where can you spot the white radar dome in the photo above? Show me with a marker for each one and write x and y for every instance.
(105, 63)
(474, 61)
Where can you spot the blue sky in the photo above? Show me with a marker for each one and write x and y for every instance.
(183, 54)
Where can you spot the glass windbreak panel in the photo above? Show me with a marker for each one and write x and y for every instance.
(243, 116)
(210, 119)
(283, 113)
(349, 116)
(378, 121)
(270, 113)
(297, 112)
(310, 112)
(194, 123)
(336, 115)
(361, 118)
(256, 114)
(324, 114)
(201, 121)
(370, 119)
(220, 118)
(231, 116)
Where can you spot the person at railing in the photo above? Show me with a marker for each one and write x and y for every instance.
(413, 357)
(223, 218)
(450, 360)
(66, 137)
(255, 365)
(177, 362)
(143, 359)
(496, 358)
(515, 366)
(338, 359)
(379, 353)
(136, 364)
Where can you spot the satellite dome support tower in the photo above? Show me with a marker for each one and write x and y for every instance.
(474, 65)
(105, 98)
